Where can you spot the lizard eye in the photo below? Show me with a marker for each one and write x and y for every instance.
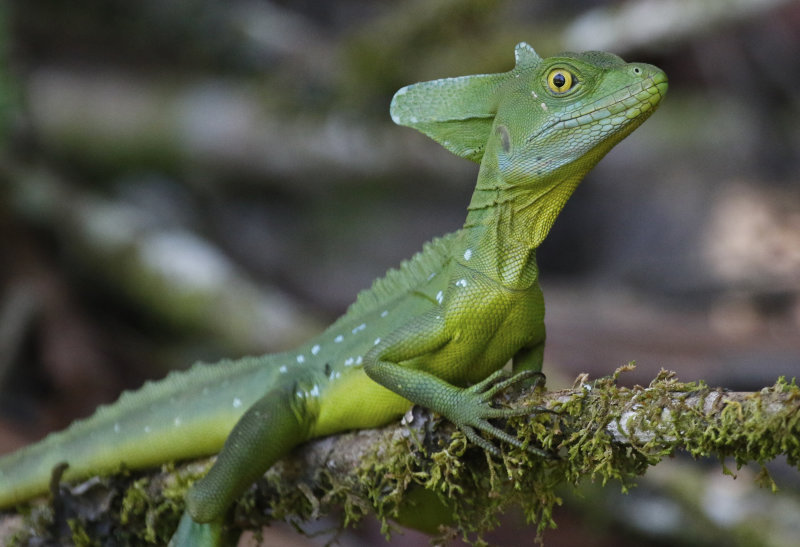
(559, 80)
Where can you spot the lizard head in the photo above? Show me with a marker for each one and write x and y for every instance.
(542, 115)
(568, 111)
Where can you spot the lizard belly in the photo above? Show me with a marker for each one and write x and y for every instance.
(489, 324)
(357, 402)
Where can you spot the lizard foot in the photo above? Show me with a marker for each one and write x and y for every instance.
(194, 534)
(473, 410)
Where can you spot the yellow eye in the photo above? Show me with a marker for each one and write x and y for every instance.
(559, 80)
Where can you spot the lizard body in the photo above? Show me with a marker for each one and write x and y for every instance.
(446, 320)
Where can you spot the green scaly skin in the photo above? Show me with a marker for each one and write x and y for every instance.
(431, 333)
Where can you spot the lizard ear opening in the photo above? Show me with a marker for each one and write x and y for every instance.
(458, 112)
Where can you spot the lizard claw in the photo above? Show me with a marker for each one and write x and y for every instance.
(475, 410)
(490, 386)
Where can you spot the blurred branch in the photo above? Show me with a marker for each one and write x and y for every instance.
(600, 432)
(220, 126)
(652, 24)
(154, 261)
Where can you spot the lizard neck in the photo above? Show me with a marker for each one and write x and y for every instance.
(506, 222)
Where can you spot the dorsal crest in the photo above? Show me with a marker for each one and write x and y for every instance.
(410, 275)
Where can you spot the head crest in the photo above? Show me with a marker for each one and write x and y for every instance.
(458, 112)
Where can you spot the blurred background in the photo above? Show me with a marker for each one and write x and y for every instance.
(197, 179)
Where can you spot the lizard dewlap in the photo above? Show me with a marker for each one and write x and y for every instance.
(434, 332)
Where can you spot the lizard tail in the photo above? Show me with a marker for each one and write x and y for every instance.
(186, 415)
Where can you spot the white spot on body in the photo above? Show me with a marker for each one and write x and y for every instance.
(359, 360)
(338, 339)
(377, 341)
(544, 107)
(348, 361)
(314, 391)
(147, 429)
(461, 283)
(315, 349)
(177, 421)
(431, 276)
(359, 328)
(301, 359)
(467, 254)
(116, 428)
(237, 402)
(384, 313)
(440, 297)
(535, 96)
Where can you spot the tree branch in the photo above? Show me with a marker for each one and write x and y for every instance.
(601, 431)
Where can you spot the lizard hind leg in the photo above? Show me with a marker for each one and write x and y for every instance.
(269, 429)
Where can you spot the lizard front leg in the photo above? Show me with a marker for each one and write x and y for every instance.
(468, 408)
(529, 358)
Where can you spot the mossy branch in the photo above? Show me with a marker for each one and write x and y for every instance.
(600, 432)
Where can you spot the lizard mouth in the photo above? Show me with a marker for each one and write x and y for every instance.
(615, 110)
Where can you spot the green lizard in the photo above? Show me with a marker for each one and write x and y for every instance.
(435, 332)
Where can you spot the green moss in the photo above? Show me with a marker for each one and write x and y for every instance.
(666, 416)
(80, 537)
